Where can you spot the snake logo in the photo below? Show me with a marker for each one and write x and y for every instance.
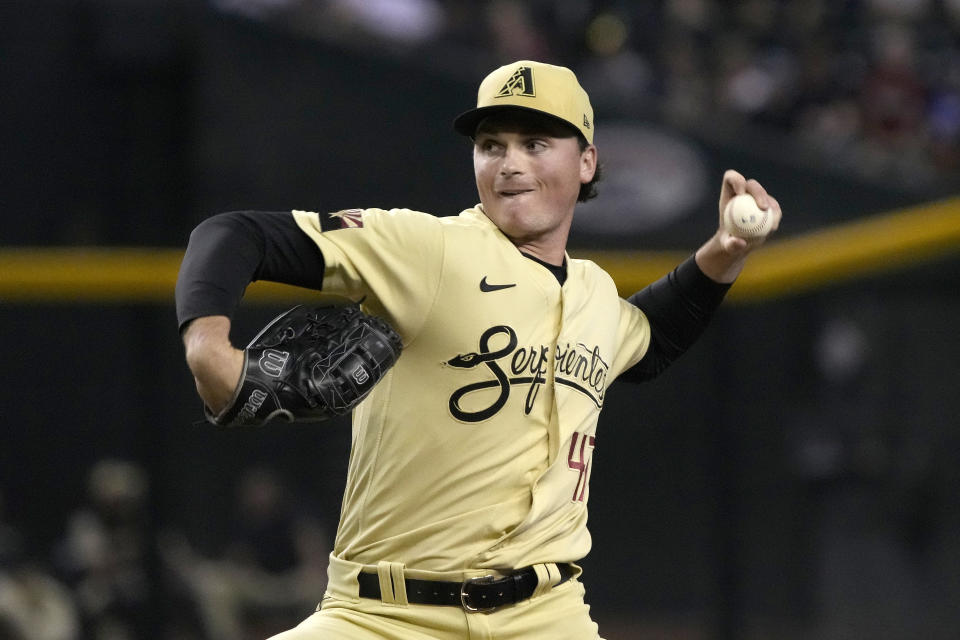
(489, 358)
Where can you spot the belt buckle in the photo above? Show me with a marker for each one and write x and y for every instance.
(464, 596)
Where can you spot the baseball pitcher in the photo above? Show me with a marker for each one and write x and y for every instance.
(476, 369)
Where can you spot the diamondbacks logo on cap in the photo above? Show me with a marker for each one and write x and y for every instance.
(519, 84)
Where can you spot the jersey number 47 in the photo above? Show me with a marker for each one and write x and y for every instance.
(581, 452)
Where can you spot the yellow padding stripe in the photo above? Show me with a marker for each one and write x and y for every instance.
(878, 244)
(787, 266)
(102, 274)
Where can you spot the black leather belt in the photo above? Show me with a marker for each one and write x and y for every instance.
(485, 593)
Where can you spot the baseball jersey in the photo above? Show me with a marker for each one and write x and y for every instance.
(475, 450)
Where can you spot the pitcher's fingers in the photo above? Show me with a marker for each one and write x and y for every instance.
(733, 183)
(759, 194)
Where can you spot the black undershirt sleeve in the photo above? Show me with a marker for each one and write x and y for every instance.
(679, 307)
(228, 251)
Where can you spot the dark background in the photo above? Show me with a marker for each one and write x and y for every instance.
(794, 475)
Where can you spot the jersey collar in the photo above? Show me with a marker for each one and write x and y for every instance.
(477, 214)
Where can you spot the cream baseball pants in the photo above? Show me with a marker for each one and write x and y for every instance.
(554, 612)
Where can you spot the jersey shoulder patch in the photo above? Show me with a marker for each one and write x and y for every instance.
(348, 218)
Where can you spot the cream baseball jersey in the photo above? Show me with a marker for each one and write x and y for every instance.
(475, 450)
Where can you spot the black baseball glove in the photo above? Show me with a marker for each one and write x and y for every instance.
(310, 364)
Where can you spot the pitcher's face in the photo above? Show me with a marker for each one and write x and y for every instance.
(528, 182)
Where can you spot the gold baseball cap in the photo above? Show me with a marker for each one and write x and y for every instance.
(533, 86)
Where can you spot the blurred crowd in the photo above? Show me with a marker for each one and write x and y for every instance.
(867, 91)
(870, 87)
(114, 574)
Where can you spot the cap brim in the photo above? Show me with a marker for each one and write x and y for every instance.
(466, 123)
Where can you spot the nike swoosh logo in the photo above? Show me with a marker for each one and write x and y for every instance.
(486, 286)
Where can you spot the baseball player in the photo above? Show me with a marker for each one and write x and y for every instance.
(465, 509)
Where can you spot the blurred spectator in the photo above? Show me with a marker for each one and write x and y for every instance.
(34, 605)
(272, 572)
(514, 34)
(893, 94)
(408, 22)
(103, 556)
(872, 503)
(686, 88)
(618, 76)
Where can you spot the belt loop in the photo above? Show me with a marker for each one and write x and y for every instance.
(399, 583)
(393, 588)
(548, 575)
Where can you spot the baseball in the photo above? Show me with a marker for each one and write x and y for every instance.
(744, 219)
